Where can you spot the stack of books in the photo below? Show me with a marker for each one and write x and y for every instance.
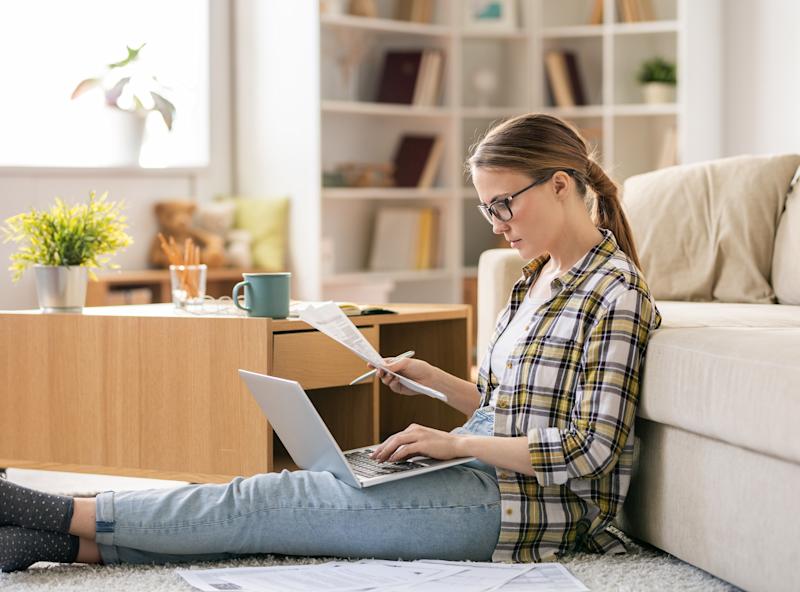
(411, 77)
(564, 84)
(416, 161)
(404, 238)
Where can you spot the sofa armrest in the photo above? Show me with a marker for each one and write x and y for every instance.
(498, 270)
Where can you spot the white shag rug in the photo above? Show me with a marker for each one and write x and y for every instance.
(643, 568)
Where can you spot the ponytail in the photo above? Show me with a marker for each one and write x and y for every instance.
(607, 211)
(537, 142)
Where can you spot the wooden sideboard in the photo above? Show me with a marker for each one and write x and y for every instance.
(153, 391)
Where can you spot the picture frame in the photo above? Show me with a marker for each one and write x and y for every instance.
(494, 15)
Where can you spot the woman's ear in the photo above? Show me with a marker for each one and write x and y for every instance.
(561, 184)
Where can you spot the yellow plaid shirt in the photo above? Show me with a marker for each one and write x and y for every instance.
(571, 386)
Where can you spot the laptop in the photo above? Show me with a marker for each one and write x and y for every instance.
(311, 445)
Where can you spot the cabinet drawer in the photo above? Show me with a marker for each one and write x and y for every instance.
(317, 361)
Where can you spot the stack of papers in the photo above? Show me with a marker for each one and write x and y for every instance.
(389, 576)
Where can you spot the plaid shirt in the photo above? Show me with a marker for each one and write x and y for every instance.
(571, 386)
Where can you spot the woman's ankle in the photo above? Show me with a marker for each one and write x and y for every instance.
(84, 522)
(88, 552)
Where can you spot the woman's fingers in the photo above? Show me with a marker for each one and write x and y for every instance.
(391, 444)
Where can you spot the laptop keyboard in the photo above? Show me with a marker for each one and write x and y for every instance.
(364, 466)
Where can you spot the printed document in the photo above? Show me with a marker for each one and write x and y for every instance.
(328, 318)
(372, 575)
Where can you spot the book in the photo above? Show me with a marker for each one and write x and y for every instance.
(596, 17)
(411, 158)
(431, 169)
(395, 239)
(399, 77)
(350, 309)
(421, 11)
(426, 89)
(575, 82)
(646, 10)
(404, 238)
(435, 76)
(558, 76)
(422, 76)
(427, 244)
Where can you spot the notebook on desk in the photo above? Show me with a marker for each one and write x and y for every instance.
(311, 445)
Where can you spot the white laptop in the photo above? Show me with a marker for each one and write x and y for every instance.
(311, 445)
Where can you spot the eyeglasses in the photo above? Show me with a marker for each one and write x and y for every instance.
(500, 208)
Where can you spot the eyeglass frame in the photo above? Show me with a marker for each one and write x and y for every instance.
(488, 209)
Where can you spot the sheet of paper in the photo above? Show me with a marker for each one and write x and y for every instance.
(328, 318)
(470, 577)
(324, 577)
(545, 577)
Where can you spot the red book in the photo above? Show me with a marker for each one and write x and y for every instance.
(399, 77)
(410, 159)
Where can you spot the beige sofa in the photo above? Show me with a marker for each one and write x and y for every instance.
(717, 480)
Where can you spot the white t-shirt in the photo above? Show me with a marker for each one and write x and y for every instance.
(517, 328)
(514, 331)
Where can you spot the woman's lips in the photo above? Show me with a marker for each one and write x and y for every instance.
(515, 243)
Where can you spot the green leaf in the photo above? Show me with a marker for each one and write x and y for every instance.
(133, 55)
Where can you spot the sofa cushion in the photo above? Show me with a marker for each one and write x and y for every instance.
(706, 231)
(785, 264)
(729, 372)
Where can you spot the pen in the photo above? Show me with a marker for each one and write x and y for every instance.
(408, 354)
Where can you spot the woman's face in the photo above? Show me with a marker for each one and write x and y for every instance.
(538, 213)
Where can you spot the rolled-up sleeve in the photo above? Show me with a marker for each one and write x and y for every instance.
(605, 400)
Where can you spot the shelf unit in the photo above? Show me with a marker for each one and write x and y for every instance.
(302, 116)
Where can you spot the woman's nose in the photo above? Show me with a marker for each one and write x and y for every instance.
(498, 226)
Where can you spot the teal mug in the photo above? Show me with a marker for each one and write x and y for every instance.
(265, 294)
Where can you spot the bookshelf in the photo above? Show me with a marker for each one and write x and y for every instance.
(301, 117)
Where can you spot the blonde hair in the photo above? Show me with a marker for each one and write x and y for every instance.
(536, 143)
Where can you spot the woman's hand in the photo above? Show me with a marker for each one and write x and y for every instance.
(418, 440)
(417, 370)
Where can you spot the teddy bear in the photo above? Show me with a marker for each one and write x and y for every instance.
(175, 219)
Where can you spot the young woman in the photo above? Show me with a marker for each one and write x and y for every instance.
(550, 419)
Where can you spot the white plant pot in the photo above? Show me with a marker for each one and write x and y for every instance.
(128, 134)
(658, 92)
(61, 288)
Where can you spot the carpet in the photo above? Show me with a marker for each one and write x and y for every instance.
(643, 568)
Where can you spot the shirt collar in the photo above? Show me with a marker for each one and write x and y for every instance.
(585, 265)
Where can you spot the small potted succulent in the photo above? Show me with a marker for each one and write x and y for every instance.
(658, 78)
(134, 92)
(63, 245)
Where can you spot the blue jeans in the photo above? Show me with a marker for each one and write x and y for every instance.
(453, 513)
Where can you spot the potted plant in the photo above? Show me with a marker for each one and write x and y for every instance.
(658, 78)
(64, 245)
(134, 93)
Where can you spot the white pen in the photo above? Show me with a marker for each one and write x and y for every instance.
(408, 354)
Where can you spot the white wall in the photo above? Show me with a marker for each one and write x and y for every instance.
(761, 77)
(22, 189)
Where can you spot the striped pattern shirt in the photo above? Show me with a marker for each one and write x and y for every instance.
(571, 385)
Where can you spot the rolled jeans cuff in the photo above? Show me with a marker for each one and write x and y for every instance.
(104, 525)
